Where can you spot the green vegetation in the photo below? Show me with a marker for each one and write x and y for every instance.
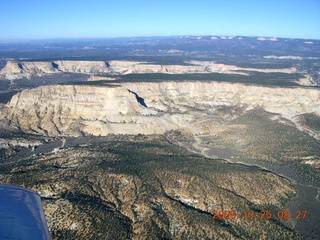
(312, 121)
(272, 138)
(272, 64)
(255, 78)
(257, 139)
(124, 186)
(107, 180)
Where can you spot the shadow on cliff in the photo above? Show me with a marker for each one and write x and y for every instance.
(139, 99)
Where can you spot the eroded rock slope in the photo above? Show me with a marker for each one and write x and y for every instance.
(143, 187)
(27, 69)
(149, 108)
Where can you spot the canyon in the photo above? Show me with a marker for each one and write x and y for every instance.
(140, 157)
(147, 139)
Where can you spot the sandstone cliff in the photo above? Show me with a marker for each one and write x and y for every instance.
(15, 70)
(86, 67)
(148, 108)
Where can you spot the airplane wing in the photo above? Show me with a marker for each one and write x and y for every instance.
(21, 214)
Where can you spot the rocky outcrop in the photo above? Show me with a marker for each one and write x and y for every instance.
(101, 110)
(143, 187)
(14, 70)
(86, 67)
(307, 81)
(7, 143)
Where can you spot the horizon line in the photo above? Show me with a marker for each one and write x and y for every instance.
(150, 36)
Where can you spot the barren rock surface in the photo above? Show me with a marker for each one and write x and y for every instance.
(152, 144)
(15, 70)
(101, 110)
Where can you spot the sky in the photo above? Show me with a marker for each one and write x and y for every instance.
(46, 19)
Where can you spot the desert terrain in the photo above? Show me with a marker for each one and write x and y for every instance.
(149, 142)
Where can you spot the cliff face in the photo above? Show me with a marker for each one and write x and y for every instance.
(148, 108)
(15, 70)
(86, 67)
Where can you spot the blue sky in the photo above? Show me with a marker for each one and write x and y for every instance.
(41, 19)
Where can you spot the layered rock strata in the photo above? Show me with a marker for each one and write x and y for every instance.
(25, 69)
(147, 108)
(15, 70)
